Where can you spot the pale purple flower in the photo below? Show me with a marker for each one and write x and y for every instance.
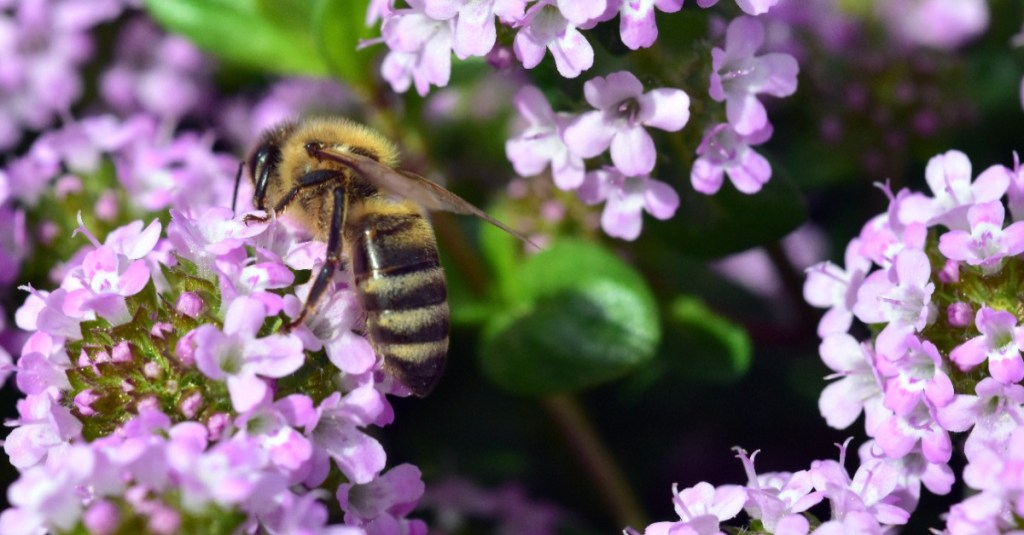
(52, 313)
(858, 389)
(830, 286)
(913, 470)
(421, 49)
(376, 10)
(43, 425)
(42, 46)
(900, 296)
(637, 26)
(474, 31)
(544, 27)
(273, 427)
(1015, 191)
(255, 280)
(949, 177)
(214, 233)
(778, 499)
(750, 7)
(999, 475)
(150, 65)
(45, 497)
(866, 492)
(43, 364)
(1000, 343)
(625, 200)
(581, 11)
(739, 76)
(900, 434)
(541, 142)
(701, 508)
(237, 356)
(110, 273)
(330, 327)
(335, 431)
(915, 376)
(722, 152)
(941, 24)
(623, 110)
(394, 493)
(990, 416)
(988, 242)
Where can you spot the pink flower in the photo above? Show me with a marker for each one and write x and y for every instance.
(237, 356)
(474, 33)
(949, 177)
(335, 432)
(421, 49)
(991, 415)
(778, 499)
(330, 327)
(988, 242)
(900, 296)
(701, 508)
(394, 493)
(722, 152)
(739, 76)
(830, 286)
(623, 110)
(865, 493)
(637, 26)
(1000, 343)
(859, 386)
(544, 27)
(918, 373)
(942, 24)
(43, 425)
(625, 200)
(541, 142)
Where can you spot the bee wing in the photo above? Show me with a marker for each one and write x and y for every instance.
(413, 187)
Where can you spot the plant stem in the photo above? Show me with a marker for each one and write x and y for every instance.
(597, 461)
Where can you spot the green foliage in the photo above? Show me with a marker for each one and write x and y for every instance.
(701, 345)
(730, 221)
(294, 37)
(578, 316)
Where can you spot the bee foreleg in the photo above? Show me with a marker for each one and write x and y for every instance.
(238, 180)
(308, 180)
(333, 260)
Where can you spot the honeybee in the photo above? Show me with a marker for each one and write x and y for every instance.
(340, 180)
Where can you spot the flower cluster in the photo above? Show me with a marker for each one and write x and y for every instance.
(42, 44)
(738, 77)
(943, 305)
(161, 386)
(778, 502)
(617, 124)
(422, 37)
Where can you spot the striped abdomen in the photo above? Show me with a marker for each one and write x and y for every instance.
(402, 289)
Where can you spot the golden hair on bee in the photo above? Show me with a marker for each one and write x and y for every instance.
(340, 180)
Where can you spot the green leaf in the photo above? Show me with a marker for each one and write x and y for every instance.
(580, 317)
(339, 26)
(703, 346)
(267, 36)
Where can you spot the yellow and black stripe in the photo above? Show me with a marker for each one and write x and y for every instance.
(402, 289)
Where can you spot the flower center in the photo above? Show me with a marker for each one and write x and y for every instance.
(628, 109)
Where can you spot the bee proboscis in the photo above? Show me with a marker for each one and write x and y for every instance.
(340, 180)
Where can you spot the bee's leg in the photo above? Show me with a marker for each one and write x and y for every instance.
(308, 180)
(238, 180)
(333, 260)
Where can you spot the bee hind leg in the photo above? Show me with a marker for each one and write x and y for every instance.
(331, 263)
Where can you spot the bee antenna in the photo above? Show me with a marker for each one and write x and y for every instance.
(238, 180)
